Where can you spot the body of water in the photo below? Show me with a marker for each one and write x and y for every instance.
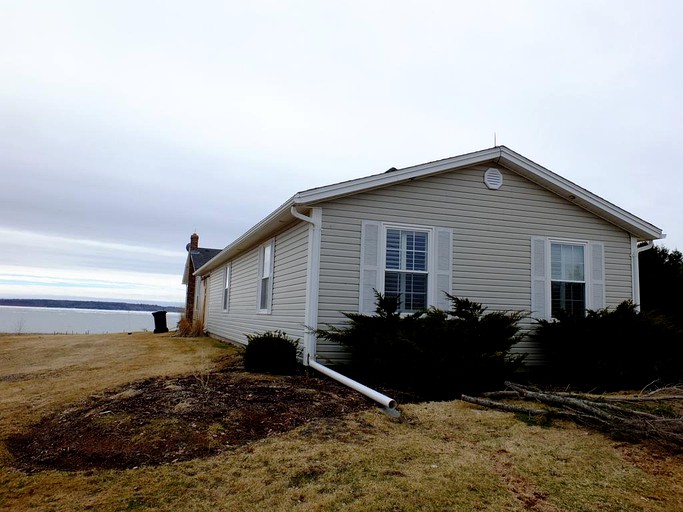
(21, 320)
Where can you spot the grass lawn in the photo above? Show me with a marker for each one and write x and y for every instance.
(438, 456)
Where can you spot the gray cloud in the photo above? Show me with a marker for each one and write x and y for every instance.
(133, 124)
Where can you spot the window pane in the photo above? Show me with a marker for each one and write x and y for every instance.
(415, 292)
(568, 297)
(410, 288)
(391, 284)
(567, 262)
(577, 263)
(414, 249)
(265, 270)
(265, 292)
(393, 249)
(406, 251)
(420, 261)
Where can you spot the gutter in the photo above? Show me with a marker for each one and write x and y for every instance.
(311, 315)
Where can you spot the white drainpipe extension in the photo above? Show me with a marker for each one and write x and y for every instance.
(378, 397)
(311, 316)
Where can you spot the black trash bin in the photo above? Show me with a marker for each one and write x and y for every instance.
(159, 322)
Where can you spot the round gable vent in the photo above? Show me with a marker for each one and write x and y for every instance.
(493, 179)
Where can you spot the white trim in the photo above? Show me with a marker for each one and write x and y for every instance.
(432, 299)
(431, 260)
(587, 271)
(578, 195)
(635, 273)
(499, 155)
(351, 187)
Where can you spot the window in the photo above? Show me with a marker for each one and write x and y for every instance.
(568, 279)
(226, 288)
(566, 275)
(406, 268)
(412, 262)
(265, 280)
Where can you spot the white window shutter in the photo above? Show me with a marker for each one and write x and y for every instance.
(539, 279)
(444, 267)
(596, 287)
(370, 255)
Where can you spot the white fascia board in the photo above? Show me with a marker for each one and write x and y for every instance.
(505, 157)
(257, 233)
(351, 187)
(315, 195)
(496, 155)
(581, 197)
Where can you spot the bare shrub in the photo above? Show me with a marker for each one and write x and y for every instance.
(187, 329)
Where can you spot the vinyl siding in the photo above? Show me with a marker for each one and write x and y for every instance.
(289, 290)
(492, 232)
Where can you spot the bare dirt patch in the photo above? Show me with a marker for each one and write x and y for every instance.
(167, 419)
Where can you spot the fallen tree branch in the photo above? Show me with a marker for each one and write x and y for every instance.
(503, 406)
(594, 411)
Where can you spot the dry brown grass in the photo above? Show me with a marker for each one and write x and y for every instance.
(41, 373)
(439, 456)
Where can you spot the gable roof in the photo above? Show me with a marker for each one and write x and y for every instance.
(498, 155)
(200, 257)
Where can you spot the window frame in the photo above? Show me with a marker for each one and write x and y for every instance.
(262, 264)
(430, 259)
(586, 272)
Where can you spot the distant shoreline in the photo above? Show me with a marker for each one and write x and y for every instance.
(87, 304)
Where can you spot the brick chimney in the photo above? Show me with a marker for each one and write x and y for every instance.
(191, 280)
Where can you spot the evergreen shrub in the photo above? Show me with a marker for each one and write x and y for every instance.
(434, 353)
(271, 352)
(611, 349)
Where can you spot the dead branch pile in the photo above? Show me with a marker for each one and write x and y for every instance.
(654, 417)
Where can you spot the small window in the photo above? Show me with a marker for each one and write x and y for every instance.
(568, 279)
(226, 288)
(406, 268)
(265, 284)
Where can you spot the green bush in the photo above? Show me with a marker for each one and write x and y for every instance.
(611, 349)
(434, 353)
(271, 352)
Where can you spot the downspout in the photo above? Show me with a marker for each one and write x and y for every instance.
(635, 252)
(649, 245)
(312, 278)
(311, 315)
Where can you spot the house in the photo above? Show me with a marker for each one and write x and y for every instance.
(491, 226)
(196, 290)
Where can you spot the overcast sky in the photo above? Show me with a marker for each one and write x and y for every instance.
(125, 126)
